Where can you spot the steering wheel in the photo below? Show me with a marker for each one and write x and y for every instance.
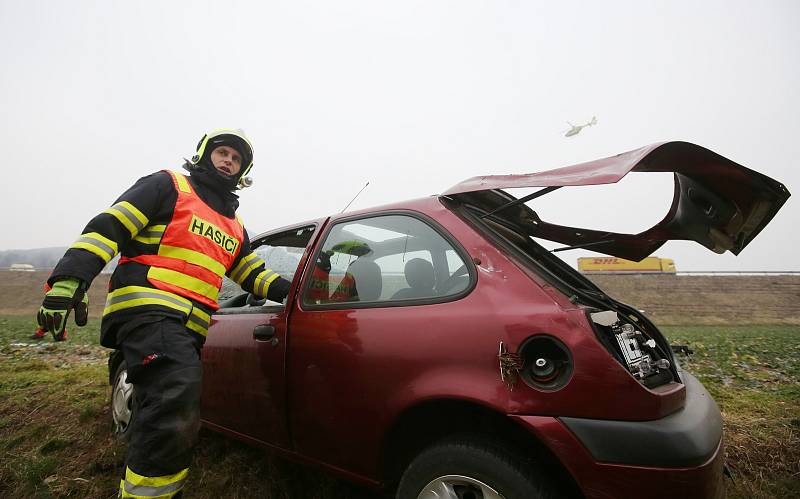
(255, 301)
(451, 281)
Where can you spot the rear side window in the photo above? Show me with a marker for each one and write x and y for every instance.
(389, 258)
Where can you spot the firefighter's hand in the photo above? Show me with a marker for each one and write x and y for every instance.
(65, 295)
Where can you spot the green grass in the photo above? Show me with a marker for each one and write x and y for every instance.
(753, 372)
(55, 437)
(19, 329)
(55, 431)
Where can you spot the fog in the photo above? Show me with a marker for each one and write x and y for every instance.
(411, 96)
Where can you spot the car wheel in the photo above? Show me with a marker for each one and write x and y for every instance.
(467, 468)
(123, 409)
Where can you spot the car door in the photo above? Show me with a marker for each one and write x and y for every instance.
(244, 356)
(356, 339)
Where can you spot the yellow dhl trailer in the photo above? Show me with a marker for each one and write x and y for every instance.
(651, 264)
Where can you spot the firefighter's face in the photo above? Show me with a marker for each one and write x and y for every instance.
(226, 160)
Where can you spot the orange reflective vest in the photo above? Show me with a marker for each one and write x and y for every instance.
(198, 247)
(318, 290)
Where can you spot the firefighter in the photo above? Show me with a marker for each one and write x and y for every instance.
(319, 290)
(320, 279)
(347, 290)
(177, 236)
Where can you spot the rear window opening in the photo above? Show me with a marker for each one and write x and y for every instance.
(642, 200)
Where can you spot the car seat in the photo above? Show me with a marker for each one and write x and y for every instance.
(368, 279)
(419, 275)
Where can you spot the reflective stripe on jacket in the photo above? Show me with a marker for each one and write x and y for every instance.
(137, 296)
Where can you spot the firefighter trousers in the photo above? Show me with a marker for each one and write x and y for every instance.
(163, 360)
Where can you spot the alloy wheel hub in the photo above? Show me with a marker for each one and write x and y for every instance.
(121, 403)
(458, 487)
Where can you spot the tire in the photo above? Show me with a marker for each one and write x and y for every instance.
(472, 468)
(123, 408)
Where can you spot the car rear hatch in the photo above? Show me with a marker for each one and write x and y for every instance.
(717, 203)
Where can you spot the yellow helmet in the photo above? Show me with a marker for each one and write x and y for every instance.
(353, 247)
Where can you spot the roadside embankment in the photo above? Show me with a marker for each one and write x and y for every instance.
(708, 299)
(666, 299)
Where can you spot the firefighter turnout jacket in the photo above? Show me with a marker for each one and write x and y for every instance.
(177, 237)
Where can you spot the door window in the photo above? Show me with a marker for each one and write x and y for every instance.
(387, 258)
(281, 252)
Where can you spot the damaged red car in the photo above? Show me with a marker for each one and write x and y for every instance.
(435, 349)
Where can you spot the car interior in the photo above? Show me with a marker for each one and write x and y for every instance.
(378, 259)
(282, 252)
(400, 258)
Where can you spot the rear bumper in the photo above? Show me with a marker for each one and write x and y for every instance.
(680, 455)
(686, 438)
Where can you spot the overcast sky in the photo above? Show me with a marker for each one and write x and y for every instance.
(412, 96)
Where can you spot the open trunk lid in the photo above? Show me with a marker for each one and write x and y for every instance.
(717, 202)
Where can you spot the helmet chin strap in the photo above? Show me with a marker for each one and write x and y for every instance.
(206, 170)
(244, 182)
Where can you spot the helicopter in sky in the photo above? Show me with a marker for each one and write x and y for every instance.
(575, 130)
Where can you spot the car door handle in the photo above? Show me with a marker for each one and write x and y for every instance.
(263, 332)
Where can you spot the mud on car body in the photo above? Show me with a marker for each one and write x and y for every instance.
(434, 348)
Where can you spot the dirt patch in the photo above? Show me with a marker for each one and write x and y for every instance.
(58, 355)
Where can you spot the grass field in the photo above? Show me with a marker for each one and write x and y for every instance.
(55, 430)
